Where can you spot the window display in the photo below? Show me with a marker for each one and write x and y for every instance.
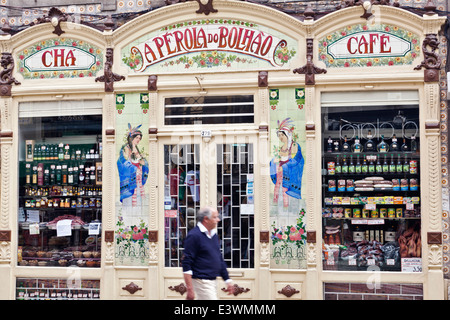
(57, 289)
(371, 187)
(60, 191)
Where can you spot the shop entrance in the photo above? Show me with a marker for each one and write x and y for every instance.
(210, 169)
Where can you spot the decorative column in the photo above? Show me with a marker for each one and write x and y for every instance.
(153, 272)
(431, 151)
(263, 165)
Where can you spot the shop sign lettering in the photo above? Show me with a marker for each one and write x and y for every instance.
(226, 38)
(59, 58)
(369, 45)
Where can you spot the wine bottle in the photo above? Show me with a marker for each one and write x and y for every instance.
(382, 146)
(338, 168)
(399, 167)
(358, 165)
(378, 167)
(385, 165)
(344, 165)
(345, 145)
(364, 167)
(351, 165)
(357, 147)
(404, 146)
(394, 145)
(369, 145)
(330, 144)
(392, 166)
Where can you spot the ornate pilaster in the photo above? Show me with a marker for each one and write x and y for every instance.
(433, 190)
(108, 208)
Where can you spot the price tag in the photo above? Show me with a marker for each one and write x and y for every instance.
(370, 206)
(409, 206)
(411, 264)
(352, 262)
(375, 222)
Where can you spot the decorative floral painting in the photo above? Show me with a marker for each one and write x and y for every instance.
(132, 246)
(287, 206)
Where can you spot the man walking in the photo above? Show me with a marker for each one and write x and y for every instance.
(202, 260)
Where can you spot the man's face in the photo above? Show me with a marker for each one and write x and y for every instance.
(211, 223)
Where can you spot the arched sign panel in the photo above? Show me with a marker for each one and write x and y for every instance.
(364, 45)
(218, 44)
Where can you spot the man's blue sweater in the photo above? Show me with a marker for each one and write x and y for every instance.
(202, 255)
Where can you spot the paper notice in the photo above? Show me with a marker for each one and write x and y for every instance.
(64, 228)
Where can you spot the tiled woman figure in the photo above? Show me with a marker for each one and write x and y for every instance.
(286, 168)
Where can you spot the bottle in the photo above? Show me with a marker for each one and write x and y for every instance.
(60, 151)
(75, 174)
(399, 167)
(369, 145)
(404, 146)
(58, 175)
(52, 174)
(81, 174)
(329, 145)
(382, 146)
(87, 175)
(392, 165)
(67, 152)
(385, 165)
(70, 175)
(394, 145)
(338, 168)
(406, 165)
(351, 166)
(336, 146)
(34, 177)
(371, 165)
(92, 177)
(46, 176)
(344, 165)
(378, 167)
(64, 174)
(345, 145)
(413, 144)
(357, 147)
(364, 167)
(358, 165)
(28, 173)
(40, 174)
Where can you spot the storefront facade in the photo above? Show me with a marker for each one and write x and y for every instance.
(317, 140)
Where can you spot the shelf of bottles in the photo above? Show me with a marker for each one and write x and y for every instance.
(371, 202)
(60, 203)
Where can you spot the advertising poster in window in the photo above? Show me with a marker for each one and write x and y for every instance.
(287, 203)
(132, 172)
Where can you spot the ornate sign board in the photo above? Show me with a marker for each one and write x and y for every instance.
(60, 58)
(365, 45)
(216, 43)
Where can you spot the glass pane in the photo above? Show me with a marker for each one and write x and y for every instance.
(235, 205)
(60, 191)
(371, 193)
(181, 197)
(209, 110)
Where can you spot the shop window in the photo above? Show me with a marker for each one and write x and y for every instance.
(371, 194)
(57, 289)
(60, 184)
(209, 110)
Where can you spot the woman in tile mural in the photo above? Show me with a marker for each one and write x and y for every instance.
(286, 168)
(133, 169)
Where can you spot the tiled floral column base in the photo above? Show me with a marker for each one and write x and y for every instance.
(362, 291)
